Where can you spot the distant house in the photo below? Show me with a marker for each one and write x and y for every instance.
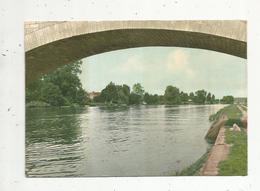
(240, 100)
(93, 94)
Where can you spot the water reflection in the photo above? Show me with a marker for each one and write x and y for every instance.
(121, 141)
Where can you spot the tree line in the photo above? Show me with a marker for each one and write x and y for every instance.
(122, 94)
(63, 87)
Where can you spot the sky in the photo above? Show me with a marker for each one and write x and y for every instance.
(157, 67)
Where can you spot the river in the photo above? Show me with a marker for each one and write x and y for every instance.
(125, 141)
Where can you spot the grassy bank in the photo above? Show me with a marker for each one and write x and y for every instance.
(233, 116)
(231, 111)
(236, 164)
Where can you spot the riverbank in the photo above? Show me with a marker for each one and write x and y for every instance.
(218, 153)
(97, 104)
(228, 155)
(236, 163)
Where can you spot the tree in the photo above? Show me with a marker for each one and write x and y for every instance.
(191, 96)
(110, 93)
(33, 92)
(151, 99)
(172, 95)
(66, 78)
(81, 97)
(213, 98)
(123, 94)
(134, 99)
(200, 97)
(184, 97)
(208, 99)
(161, 99)
(227, 99)
(62, 84)
(50, 93)
(114, 94)
(138, 89)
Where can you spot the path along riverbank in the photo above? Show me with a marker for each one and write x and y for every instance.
(228, 155)
(218, 153)
(221, 150)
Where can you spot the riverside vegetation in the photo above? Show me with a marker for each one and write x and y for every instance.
(236, 163)
(63, 87)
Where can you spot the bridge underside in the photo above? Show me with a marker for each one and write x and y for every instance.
(46, 58)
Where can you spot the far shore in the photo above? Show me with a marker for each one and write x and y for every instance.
(44, 104)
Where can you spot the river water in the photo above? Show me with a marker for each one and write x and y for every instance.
(125, 141)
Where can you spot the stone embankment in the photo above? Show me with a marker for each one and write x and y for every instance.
(219, 152)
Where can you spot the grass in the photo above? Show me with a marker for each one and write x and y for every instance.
(231, 111)
(234, 116)
(236, 163)
(194, 168)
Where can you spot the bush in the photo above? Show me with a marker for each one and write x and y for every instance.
(230, 122)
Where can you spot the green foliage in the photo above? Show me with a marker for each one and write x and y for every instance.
(33, 93)
(114, 94)
(123, 94)
(110, 94)
(200, 97)
(135, 99)
(231, 111)
(118, 94)
(234, 116)
(192, 96)
(61, 87)
(151, 99)
(50, 93)
(227, 100)
(230, 122)
(138, 89)
(161, 99)
(236, 163)
(184, 97)
(215, 116)
(172, 95)
(37, 104)
(209, 98)
(213, 98)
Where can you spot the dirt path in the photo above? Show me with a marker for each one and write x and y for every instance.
(244, 113)
(244, 117)
(219, 152)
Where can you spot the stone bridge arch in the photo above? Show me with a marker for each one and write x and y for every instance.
(49, 45)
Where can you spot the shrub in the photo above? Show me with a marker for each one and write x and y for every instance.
(230, 122)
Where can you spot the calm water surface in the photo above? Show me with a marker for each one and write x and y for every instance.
(128, 141)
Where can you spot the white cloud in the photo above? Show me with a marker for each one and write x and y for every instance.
(177, 62)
